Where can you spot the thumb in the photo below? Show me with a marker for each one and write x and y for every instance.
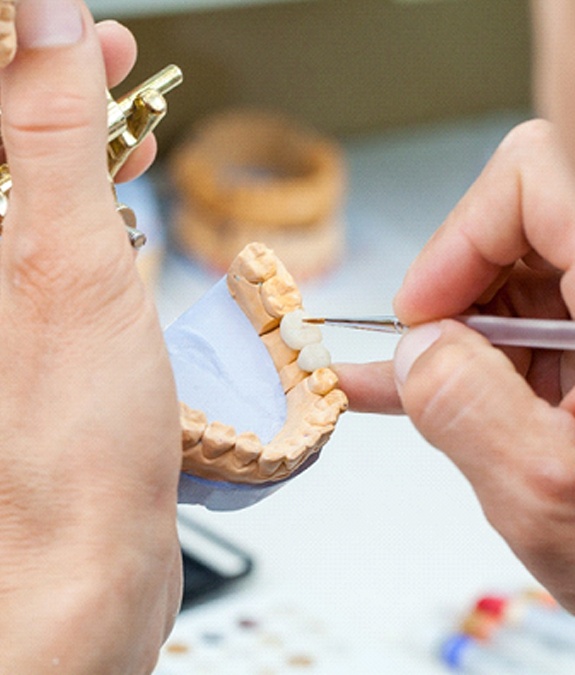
(515, 448)
(54, 124)
(467, 399)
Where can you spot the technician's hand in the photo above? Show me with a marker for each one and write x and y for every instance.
(89, 430)
(506, 419)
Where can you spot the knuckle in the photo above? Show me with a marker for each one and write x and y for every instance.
(532, 497)
(68, 111)
(548, 455)
(552, 480)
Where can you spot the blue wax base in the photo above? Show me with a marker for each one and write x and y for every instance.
(218, 495)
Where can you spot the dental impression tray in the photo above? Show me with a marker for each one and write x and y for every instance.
(254, 434)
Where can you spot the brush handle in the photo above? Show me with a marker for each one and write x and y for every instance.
(520, 332)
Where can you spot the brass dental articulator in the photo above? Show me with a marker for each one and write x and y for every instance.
(130, 119)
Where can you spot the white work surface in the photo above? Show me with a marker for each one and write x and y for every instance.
(382, 535)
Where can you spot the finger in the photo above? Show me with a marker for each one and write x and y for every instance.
(524, 200)
(451, 381)
(554, 70)
(139, 161)
(370, 387)
(119, 49)
(466, 399)
(55, 132)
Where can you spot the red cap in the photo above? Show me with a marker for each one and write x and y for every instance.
(493, 605)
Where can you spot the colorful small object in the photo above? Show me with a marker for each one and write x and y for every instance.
(494, 605)
(526, 633)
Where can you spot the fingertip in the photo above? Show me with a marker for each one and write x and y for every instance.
(411, 346)
(49, 23)
(140, 160)
(119, 48)
(370, 387)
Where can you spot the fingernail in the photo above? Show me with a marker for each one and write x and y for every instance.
(411, 346)
(48, 23)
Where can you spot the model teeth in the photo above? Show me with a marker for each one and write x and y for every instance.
(297, 334)
(248, 447)
(269, 463)
(270, 299)
(194, 423)
(314, 356)
(280, 295)
(322, 381)
(305, 338)
(260, 265)
(218, 438)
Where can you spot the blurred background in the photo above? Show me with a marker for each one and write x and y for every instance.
(378, 557)
(345, 67)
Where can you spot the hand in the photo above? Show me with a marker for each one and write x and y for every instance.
(89, 429)
(506, 418)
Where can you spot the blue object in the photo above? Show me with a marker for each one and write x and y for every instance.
(225, 496)
(222, 368)
(453, 650)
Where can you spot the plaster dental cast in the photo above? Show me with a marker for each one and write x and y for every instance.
(267, 294)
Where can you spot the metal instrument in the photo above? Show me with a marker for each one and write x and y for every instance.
(499, 330)
(130, 119)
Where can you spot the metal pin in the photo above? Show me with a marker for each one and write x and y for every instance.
(384, 324)
(137, 238)
(143, 109)
(511, 331)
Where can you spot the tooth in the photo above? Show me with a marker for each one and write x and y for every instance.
(248, 447)
(320, 417)
(311, 435)
(194, 423)
(254, 266)
(314, 356)
(335, 399)
(194, 462)
(280, 294)
(218, 438)
(290, 376)
(322, 381)
(248, 297)
(270, 461)
(327, 409)
(293, 451)
(258, 263)
(297, 334)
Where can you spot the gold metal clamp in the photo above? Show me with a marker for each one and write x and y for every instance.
(130, 119)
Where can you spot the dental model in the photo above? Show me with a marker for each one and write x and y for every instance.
(268, 296)
(7, 31)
